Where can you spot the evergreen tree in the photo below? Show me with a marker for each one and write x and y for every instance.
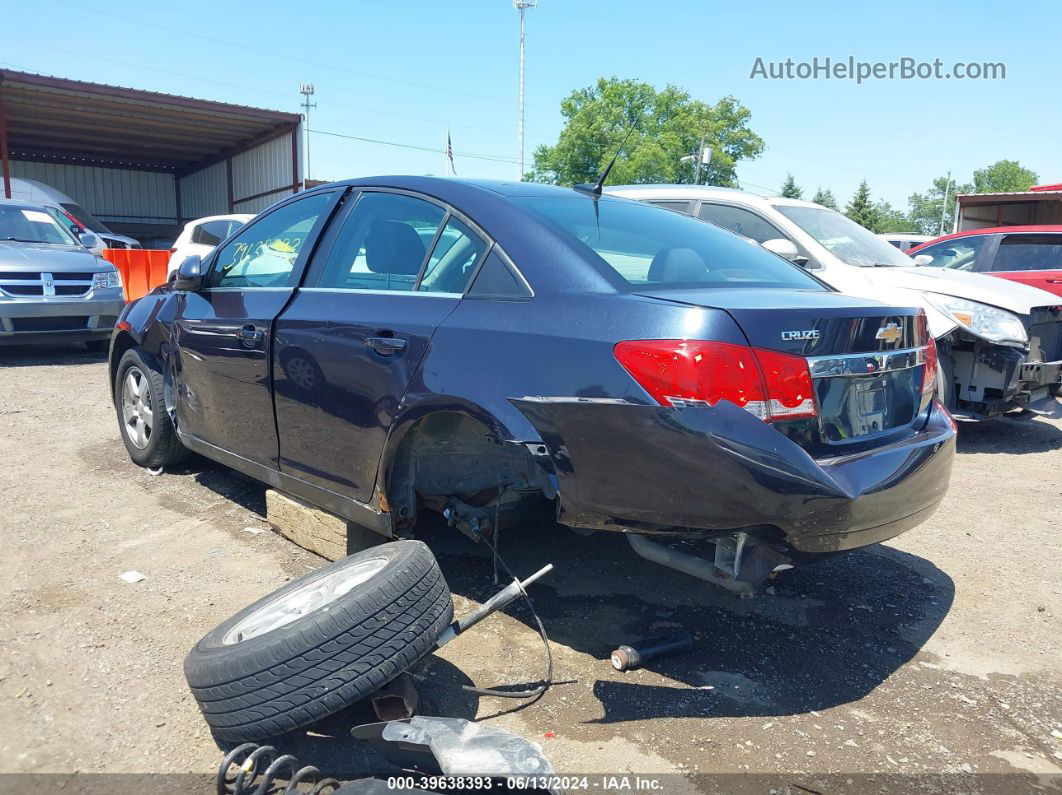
(790, 189)
(825, 198)
(861, 208)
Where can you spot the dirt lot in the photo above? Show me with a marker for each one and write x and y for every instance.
(936, 653)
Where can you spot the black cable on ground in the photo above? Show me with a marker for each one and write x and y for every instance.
(547, 682)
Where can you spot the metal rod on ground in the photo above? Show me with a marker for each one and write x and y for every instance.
(492, 605)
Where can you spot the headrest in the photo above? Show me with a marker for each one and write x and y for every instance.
(677, 265)
(394, 247)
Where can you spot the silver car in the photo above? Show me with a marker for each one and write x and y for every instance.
(52, 287)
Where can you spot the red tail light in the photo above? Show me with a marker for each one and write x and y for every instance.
(173, 251)
(769, 384)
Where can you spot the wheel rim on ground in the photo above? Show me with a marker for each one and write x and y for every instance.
(294, 604)
(137, 412)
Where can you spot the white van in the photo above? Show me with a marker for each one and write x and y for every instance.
(29, 190)
(1000, 345)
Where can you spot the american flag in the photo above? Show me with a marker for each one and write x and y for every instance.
(450, 153)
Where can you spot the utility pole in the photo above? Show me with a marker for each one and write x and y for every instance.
(944, 204)
(306, 89)
(522, 6)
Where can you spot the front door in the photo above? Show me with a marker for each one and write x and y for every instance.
(223, 332)
(351, 339)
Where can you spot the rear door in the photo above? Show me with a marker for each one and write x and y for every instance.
(390, 271)
(1035, 260)
(223, 332)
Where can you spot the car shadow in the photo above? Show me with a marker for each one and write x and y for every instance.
(1011, 433)
(828, 635)
(43, 356)
(328, 745)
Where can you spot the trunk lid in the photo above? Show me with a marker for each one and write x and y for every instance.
(866, 360)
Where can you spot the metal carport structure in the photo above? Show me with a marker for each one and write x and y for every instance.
(141, 160)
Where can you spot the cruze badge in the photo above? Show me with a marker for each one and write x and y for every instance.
(800, 336)
(890, 332)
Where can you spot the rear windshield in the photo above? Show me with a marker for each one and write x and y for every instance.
(649, 246)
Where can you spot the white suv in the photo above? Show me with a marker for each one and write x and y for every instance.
(1000, 344)
(202, 235)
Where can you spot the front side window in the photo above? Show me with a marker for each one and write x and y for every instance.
(650, 247)
(739, 220)
(383, 243)
(30, 225)
(264, 254)
(844, 238)
(1029, 253)
(959, 254)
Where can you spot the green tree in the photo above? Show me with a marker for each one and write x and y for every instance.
(825, 198)
(889, 219)
(926, 210)
(666, 126)
(861, 209)
(790, 189)
(1003, 176)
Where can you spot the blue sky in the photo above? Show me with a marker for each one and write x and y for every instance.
(404, 71)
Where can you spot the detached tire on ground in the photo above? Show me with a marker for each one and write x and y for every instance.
(320, 643)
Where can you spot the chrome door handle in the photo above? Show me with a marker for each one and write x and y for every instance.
(249, 336)
(385, 346)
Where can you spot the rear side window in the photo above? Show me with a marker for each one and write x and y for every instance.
(679, 207)
(383, 243)
(646, 246)
(457, 251)
(959, 254)
(739, 220)
(497, 280)
(213, 232)
(1029, 253)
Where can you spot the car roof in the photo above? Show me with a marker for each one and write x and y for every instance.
(245, 217)
(680, 192)
(22, 203)
(1050, 229)
(441, 187)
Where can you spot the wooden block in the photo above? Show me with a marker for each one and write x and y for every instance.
(316, 530)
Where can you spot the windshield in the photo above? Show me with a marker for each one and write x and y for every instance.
(844, 238)
(85, 217)
(650, 246)
(29, 225)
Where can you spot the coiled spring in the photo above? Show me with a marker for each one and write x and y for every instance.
(251, 769)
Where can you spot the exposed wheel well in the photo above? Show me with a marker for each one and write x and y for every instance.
(450, 457)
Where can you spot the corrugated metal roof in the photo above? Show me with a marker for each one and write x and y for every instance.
(1023, 195)
(52, 119)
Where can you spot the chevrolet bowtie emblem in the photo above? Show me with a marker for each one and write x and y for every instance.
(890, 332)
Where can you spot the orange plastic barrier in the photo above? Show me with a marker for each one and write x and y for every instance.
(142, 269)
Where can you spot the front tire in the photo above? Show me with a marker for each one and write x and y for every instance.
(145, 425)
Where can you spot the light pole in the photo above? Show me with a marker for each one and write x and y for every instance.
(306, 89)
(522, 6)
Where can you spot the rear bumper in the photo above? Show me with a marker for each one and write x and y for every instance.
(703, 471)
(58, 320)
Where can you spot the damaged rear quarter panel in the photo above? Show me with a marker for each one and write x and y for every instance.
(719, 468)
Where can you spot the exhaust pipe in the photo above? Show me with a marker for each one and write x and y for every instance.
(688, 564)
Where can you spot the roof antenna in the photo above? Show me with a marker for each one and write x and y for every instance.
(595, 190)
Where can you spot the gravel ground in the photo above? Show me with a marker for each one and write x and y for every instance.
(933, 659)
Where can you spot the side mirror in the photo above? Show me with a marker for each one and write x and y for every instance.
(189, 274)
(783, 248)
(88, 240)
(922, 259)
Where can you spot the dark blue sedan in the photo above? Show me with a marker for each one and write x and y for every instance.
(384, 346)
